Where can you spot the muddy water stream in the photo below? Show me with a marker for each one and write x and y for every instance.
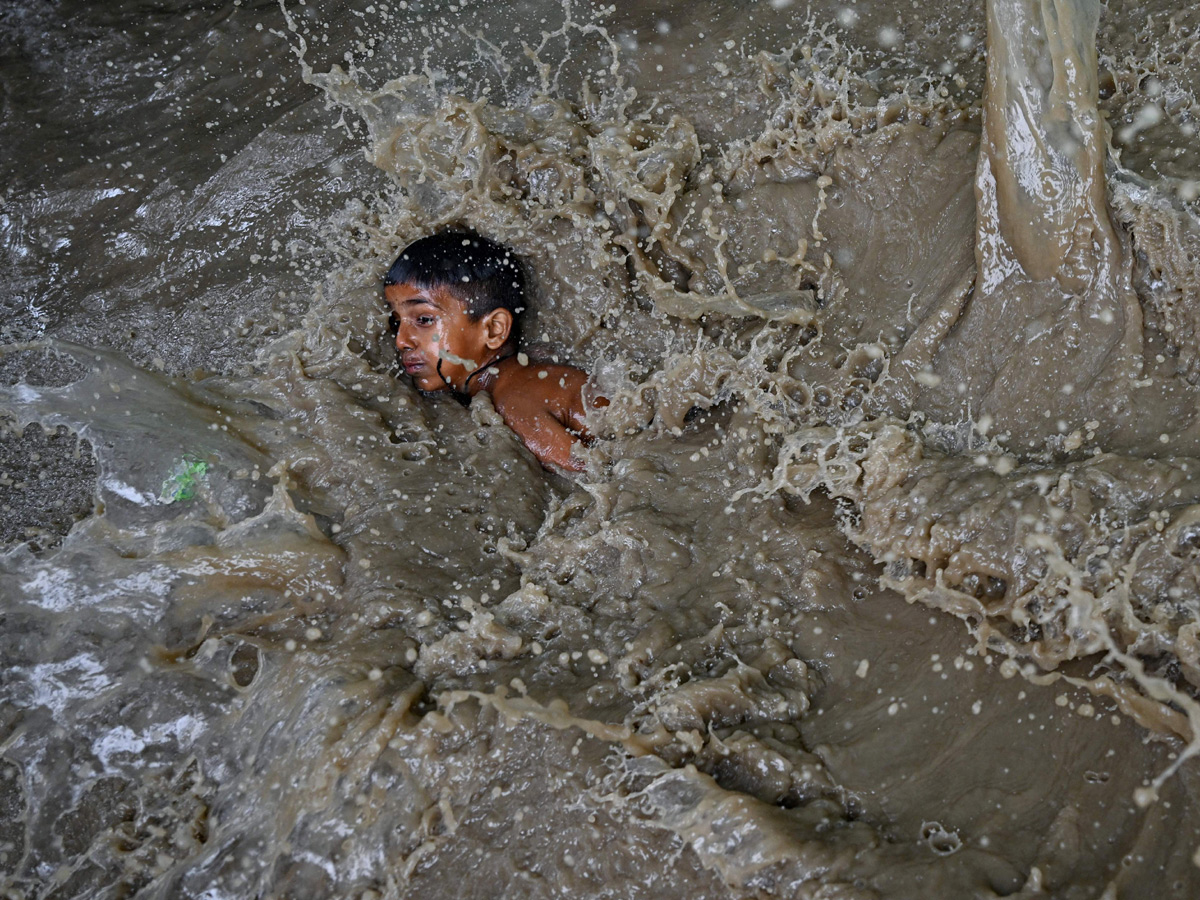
(883, 581)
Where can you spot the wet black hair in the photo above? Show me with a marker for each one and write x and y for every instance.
(483, 274)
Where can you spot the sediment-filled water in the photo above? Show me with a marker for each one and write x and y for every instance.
(881, 582)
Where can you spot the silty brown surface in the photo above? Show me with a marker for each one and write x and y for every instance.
(383, 653)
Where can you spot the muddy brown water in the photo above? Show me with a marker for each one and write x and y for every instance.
(882, 583)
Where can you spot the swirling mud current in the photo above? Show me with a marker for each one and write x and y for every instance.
(276, 625)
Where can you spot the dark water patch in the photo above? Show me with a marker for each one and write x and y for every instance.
(47, 483)
(40, 367)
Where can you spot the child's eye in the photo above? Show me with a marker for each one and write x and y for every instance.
(426, 320)
(393, 323)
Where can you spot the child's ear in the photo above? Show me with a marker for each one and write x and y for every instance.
(497, 326)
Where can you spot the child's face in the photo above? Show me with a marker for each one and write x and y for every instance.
(439, 344)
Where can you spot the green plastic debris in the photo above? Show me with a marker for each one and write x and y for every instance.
(184, 480)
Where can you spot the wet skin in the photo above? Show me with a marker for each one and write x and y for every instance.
(442, 348)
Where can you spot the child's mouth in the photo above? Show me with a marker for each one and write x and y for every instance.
(412, 366)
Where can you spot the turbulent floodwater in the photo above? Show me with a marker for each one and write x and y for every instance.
(883, 581)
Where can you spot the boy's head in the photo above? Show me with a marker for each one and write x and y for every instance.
(455, 299)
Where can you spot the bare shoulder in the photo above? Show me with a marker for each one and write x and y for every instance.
(544, 405)
(547, 384)
(542, 391)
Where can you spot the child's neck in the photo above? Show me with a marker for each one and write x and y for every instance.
(483, 377)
